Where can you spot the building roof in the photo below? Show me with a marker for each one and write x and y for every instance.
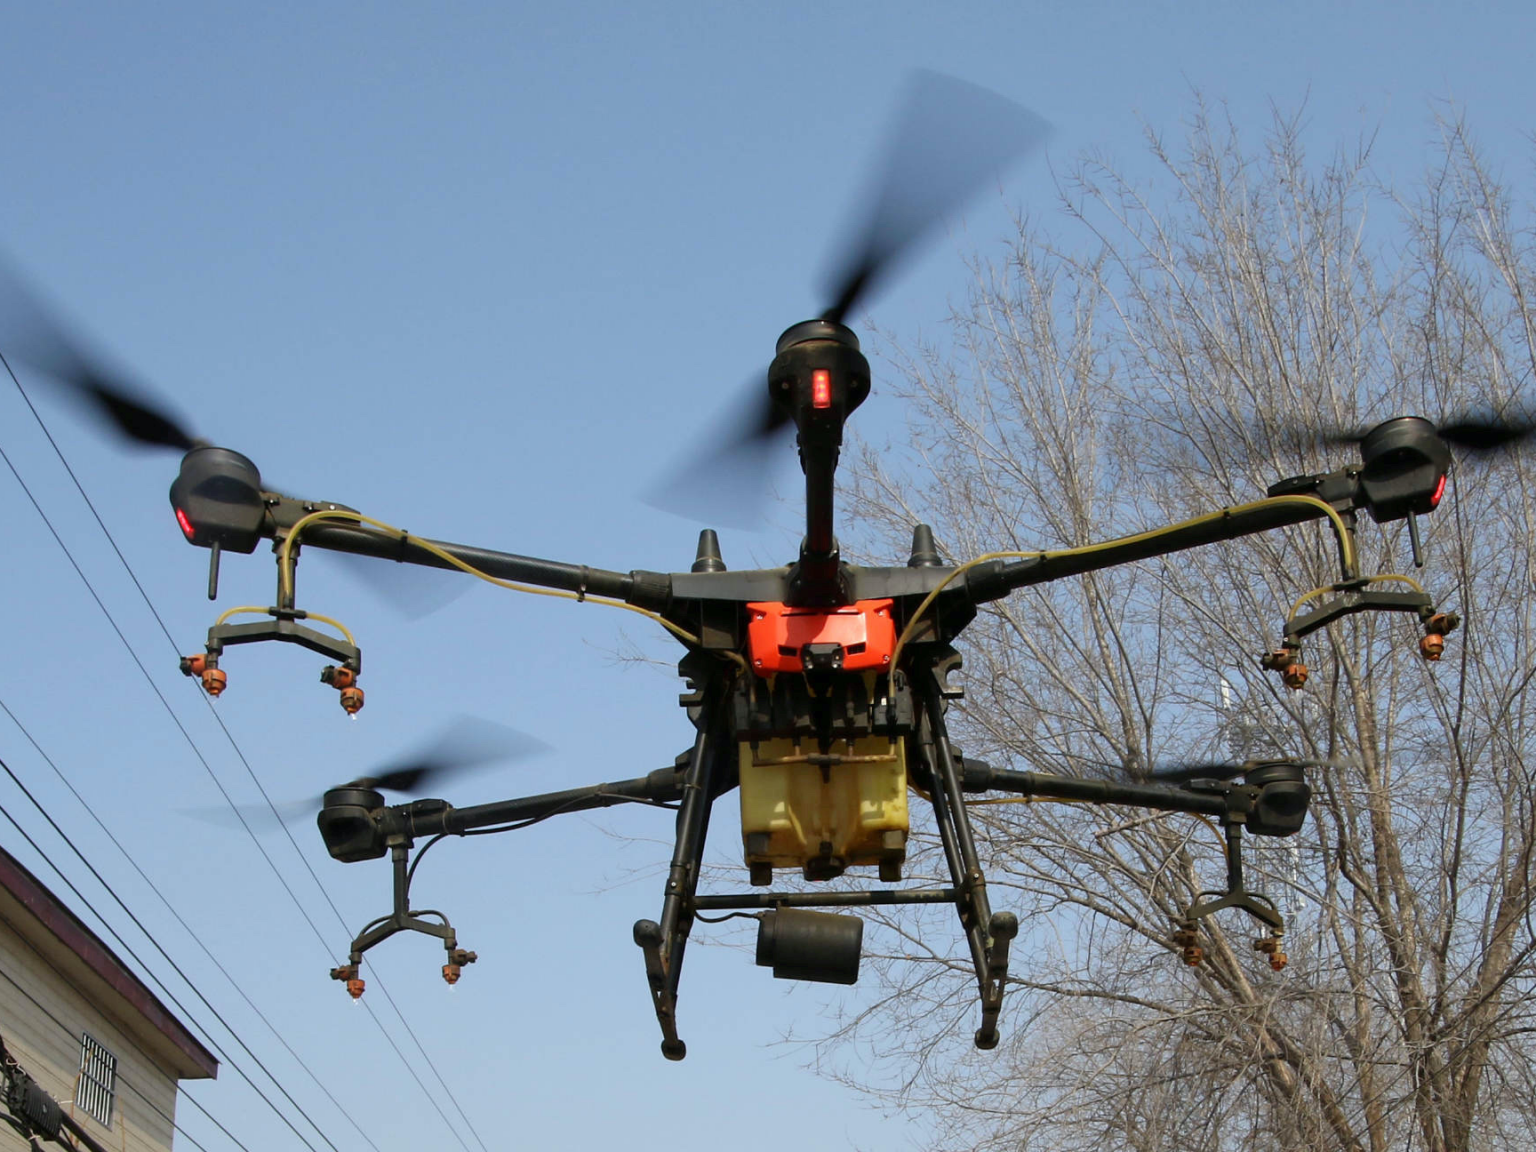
(95, 970)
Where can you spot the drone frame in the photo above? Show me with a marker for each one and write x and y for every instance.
(932, 603)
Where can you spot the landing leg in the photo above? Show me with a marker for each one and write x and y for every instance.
(664, 943)
(989, 935)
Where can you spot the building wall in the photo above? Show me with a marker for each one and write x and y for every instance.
(41, 1019)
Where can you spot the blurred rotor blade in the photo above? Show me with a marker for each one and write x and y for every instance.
(1183, 773)
(465, 744)
(1469, 431)
(31, 333)
(723, 481)
(256, 817)
(947, 140)
(1486, 433)
(412, 590)
(1227, 770)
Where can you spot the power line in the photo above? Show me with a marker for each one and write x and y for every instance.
(166, 956)
(378, 983)
(249, 832)
(179, 919)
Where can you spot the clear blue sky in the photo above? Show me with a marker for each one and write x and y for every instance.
(479, 270)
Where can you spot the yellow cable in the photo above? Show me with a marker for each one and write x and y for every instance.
(285, 568)
(1215, 831)
(1399, 578)
(1312, 595)
(1382, 579)
(336, 624)
(1345, 547)
(238, 612)
(285, 560)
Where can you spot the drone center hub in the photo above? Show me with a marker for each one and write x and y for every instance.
(820, 375)
(780, 636)
(822, 742)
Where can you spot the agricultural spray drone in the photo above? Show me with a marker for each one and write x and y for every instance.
(817, 691)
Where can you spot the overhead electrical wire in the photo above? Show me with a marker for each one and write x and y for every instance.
(378, 983)
(148, 971)
(240, 754)
(181, 920)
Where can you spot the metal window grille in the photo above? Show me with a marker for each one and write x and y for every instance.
(98, 1080)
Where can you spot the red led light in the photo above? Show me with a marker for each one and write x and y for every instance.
(821, 388)
(1434, 501)
(186, 525)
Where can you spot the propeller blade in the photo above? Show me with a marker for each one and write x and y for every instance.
(410, 590)
(1227, 770)
(31, 333)
(948, 139)
(1475, 432)
(1486, 433)
(724, 480)
(465, 744)
(256, 817)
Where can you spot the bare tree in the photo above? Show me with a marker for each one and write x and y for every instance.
(1166, 358)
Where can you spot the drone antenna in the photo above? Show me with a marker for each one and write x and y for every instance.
(707, 558)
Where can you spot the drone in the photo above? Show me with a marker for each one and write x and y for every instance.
(817, 691)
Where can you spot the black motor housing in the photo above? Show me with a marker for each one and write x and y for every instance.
(217, 497)
(347, 825)
(1284, 795)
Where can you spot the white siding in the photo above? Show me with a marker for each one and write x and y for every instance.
(41, 1021)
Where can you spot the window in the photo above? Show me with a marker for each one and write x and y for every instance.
(98, 1080)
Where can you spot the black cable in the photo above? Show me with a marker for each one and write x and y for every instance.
(21, 1128)
(515, 826)
(121, 1079)
(758, 916)
(378, 983)
(150, 973)
(518, 825)
(187, 736)
(68, 1133)
(188, 928)
(254, 839)
(410, 873)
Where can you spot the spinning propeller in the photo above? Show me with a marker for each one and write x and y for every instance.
(464, 745)
(32, 334)
(1227, 770)
(948, 138)
(1474, 432)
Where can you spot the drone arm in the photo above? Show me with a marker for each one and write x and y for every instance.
(1234, 806)
(993, 583)
(980, 777)
(659, 787)
(646, 589)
